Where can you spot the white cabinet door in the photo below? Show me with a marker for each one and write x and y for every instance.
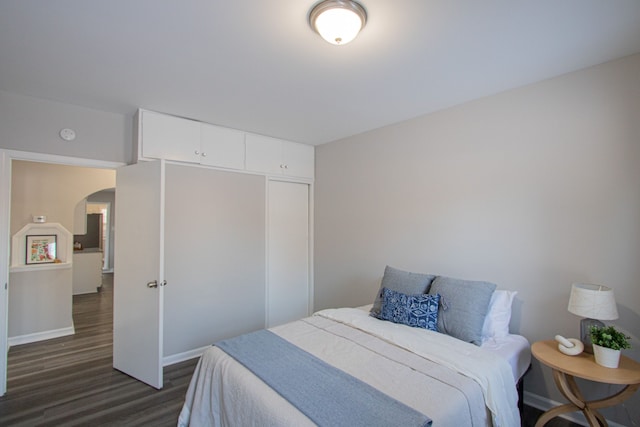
(288, 285)
(139, 253)
(264, 154)
(222, 147)
(299, 159)
(161, 136)
(279, 157)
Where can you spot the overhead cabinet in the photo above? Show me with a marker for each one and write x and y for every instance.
(279, 157)
(161, 136)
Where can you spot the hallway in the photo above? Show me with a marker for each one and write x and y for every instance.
(70, 381)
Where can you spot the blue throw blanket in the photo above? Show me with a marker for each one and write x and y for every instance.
(325, 394)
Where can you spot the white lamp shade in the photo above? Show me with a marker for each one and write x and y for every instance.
(592, 301)
(338, 21)
(338, 26)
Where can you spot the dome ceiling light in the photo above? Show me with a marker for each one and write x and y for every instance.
(338, 21)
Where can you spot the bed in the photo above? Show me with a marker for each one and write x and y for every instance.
(448, 380)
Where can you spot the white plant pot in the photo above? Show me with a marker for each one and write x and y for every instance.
(606, 357)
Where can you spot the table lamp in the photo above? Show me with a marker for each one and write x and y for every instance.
(594, 303)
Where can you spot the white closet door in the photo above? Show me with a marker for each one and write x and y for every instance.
(288, 252)
(137, 302)
(215, 252)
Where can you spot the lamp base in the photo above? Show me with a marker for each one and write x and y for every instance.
(585, 333)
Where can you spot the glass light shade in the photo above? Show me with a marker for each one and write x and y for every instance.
(592, 301)
(338, 21)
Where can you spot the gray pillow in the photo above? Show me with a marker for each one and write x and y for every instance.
(463, 306)
(401, 281)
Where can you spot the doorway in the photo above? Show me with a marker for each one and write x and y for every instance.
(7, 159)
(104, 209)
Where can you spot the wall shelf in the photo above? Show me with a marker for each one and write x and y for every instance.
(39, 267)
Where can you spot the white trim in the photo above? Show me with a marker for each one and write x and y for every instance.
(181, 357)
(311, 308)
(40, 336)
(5, 210)
(161, 277)
(61, 160)
(544, 404)
(6, 157)
(267, 320)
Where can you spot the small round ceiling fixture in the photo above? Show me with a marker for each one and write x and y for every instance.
(68, 134)
(338, 21)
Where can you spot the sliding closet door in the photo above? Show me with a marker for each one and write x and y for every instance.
(215, 252)
(288, 290)
(138, 273)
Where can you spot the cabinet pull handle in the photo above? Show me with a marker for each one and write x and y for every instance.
(204, 154)
(152, 284)
(197, 153)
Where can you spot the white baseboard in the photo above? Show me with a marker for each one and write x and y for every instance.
(181, 357)
(40, 336)
(544, 404)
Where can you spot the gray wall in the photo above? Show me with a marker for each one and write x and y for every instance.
(52, 190)
(40, 302)
(532, 189)
(32, 124)
(108, 196)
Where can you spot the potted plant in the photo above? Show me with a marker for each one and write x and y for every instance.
(607, 344)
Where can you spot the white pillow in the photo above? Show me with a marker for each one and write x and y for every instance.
(496, 324)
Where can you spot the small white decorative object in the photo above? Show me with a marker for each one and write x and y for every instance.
(569, 346)
(606, 357)
(39, 219)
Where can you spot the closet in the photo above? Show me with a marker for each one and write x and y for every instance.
(204, 254)
(289, 293)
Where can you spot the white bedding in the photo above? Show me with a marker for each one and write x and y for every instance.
(222, 392)
(515, 349)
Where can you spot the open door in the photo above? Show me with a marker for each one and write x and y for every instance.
(139, 272)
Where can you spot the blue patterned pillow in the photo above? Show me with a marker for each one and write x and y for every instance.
(418, 311)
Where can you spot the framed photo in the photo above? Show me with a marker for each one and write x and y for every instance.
(41, 249)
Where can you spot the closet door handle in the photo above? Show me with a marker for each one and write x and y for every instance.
(153, 284)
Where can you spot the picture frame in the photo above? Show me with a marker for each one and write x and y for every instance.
(41, 249)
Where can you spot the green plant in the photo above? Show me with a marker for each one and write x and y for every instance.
(609, 337)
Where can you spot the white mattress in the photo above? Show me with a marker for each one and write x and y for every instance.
(515, 349)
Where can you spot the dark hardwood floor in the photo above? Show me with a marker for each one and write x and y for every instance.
(69, 381)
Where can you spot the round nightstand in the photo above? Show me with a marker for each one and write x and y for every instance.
(565, 368)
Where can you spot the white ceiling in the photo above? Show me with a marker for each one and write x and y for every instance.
(256, 65)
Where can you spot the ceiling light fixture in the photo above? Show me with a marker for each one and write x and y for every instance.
(338, 21)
